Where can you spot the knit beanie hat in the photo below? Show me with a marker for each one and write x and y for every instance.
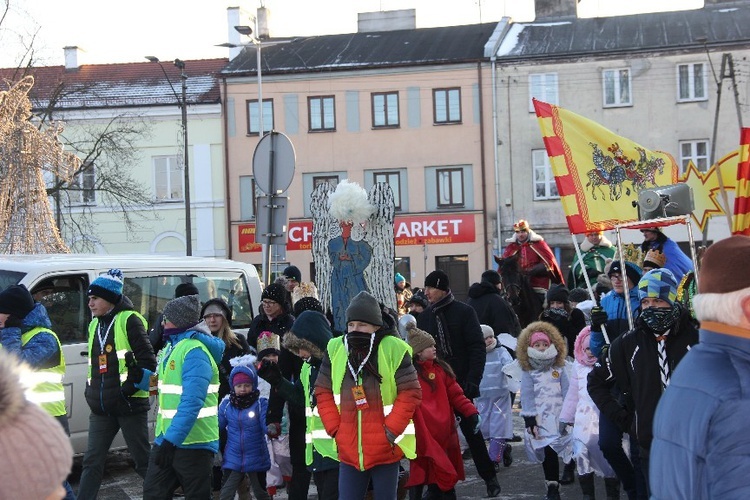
(241, 378)
(419, 298)
(557, 293)
(37, 452)
(183, 312)
(539, 336)
(16, 300)
(108, 286)
(487, 331)
(658, 284)
(654, 259)
(578, 295)
(724, 266)
(184, 289)
(293, 273)
(491, 276)
(268, 343)
(632, 271)
(217, 306)
(364, 307)
(399, 278)
(419, 340)
(437, 279)
(307, 304)
(274, 292)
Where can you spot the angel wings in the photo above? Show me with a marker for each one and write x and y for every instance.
(353, 251)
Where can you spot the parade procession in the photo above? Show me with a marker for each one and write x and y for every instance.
(423, 260)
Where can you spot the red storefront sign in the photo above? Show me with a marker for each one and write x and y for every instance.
(408, 230)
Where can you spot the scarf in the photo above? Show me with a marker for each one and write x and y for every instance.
(361, 348)
(245, 401)
(542, 360)
(557, 314)
(441, 339)
(172, 331)
(492, 346)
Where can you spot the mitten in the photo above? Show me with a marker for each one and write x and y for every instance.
(598, 318)
(530, 424)
(165, 454)
(270, 372)
(273, 430)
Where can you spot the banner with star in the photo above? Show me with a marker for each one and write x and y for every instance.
(741, 222)
(598, 173)
(705, 186)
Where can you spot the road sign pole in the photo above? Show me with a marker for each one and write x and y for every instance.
(271, 171)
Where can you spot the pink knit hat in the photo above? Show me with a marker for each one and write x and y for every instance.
(539, 336)
(37, 452)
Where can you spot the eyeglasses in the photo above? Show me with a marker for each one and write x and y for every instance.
(212, 316)
(268, 302)
(615, 277)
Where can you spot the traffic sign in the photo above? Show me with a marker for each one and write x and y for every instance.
(273, 163)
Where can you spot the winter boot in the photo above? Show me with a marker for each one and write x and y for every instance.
(612, 486)
(450, 494)
(432, 493)
(493, 487)
(587, 486)
(568, 476)
(553, 490)
(415, 492)
(507, 455)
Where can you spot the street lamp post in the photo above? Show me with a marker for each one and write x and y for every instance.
(182, 103)
(248, 32)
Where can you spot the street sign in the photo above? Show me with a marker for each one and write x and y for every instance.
(271, 220)
(273, 163)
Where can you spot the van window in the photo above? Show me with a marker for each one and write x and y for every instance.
(66, 302)
(151, 291)
(8, 278)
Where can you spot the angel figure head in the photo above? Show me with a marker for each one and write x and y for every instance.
(349, 204)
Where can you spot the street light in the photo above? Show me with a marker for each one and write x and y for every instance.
(182, 103)
(248, 32)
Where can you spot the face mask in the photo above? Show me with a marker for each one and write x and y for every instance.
(660, 319)
(557, 313)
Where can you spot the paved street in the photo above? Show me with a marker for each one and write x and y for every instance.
(520, 480)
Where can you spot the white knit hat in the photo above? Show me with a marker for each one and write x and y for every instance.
(37, 452)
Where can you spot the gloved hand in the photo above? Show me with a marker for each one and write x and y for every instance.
(530, 424)
(130, 359)
(13, 322)
(598, 318)
(270, 372)
(538, 270)
(563, 428)
(273, 430)
(475, 421)
(471, 390)
(135, 373)
(165, 454)
(593, 273)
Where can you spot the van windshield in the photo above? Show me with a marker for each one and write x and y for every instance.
(8, 278)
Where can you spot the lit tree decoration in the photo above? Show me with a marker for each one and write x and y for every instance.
(27, 224)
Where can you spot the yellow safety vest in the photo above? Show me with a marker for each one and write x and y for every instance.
(47, 390)
(315, 433)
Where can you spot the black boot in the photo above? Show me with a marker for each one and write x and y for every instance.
(450, 494)
(587, 486)
(493, 487)
(612, 486)
(568, 476)
(415, 492)
(553, 490)
(507, 455)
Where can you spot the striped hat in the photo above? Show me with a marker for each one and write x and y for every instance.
(108, 286)
(658, 284)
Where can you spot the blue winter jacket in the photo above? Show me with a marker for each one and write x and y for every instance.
(42, 351)
(196, 377)
(246, 449)
(701, 438)
(617, 318)
(677, 261)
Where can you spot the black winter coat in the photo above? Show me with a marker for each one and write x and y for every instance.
(569, 327)
(104, 394)
(492, 309)
(465, 339)
(225, 367)
(634, 361)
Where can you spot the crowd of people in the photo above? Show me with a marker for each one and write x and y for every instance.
(607, 374)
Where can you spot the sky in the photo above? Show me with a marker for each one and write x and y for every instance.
(112, 32)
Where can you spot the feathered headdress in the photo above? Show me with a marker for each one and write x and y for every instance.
(349, 203)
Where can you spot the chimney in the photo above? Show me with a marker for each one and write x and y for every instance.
(546, 9)
(387, 20)
(264, 18)
(71, 57)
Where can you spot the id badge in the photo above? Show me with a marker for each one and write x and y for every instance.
(360, 401)
(102, 363)
(153, 385)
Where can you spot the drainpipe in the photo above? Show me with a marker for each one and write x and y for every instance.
(498, 225)
(482, 158)
(227, 196)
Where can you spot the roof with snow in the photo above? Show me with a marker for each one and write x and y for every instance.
(367, 50)
(721, 25)
(120, 85)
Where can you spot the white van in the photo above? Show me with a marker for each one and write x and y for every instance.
(61, 281)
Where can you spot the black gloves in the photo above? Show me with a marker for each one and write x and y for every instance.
(538, 270)
(165, 454)
(474, 422)
(530, 424)
(471, 390)
(593, 273)
(598, 318)
(270, 372)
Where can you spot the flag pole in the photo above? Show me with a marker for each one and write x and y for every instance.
(588, 281)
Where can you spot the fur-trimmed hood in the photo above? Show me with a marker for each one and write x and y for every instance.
(311, 332)
(532, 237)
(554, 335)
(586, 244)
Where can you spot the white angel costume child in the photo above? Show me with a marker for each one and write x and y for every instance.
(541, 353)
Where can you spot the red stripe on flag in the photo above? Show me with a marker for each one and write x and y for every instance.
(576, 224)
(543, 109)
(554, 146)
(566, 185)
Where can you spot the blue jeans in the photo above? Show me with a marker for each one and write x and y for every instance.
(353, 483)
(102, 431)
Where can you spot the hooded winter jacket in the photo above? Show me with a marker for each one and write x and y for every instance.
(492, 309)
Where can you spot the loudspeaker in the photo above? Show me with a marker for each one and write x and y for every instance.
(665, 201)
